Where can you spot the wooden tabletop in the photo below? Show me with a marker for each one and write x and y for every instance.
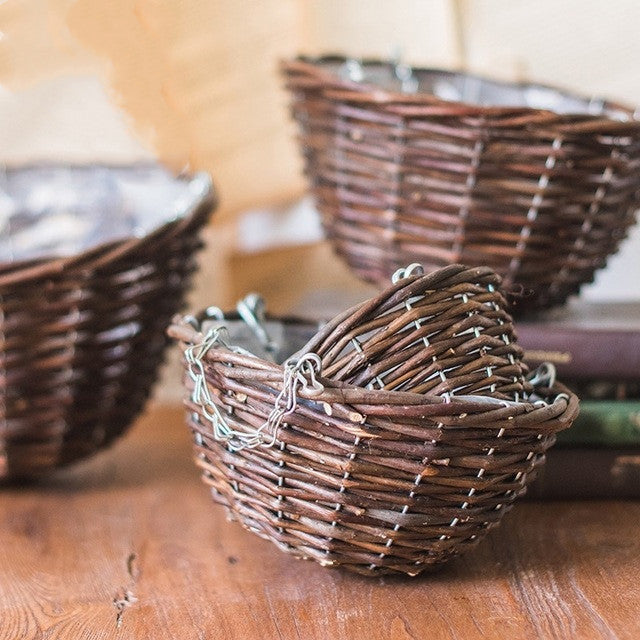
(129, 545)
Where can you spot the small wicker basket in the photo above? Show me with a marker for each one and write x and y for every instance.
(82, 332)
(394, 437)
(440, 167)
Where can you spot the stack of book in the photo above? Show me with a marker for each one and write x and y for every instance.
(596, 350)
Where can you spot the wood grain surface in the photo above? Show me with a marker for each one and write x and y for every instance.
(128, 545)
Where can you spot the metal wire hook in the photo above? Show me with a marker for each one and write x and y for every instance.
(406, 272)
(306, 368)
(403, 72)
(543, 376)
(251, 310)
(353, 70)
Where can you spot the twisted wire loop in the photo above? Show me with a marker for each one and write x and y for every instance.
(544, 376)
(299, 374)
(405, 272)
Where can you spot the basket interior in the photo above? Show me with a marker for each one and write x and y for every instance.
(466, 88)
(58, 211)
(288, 335)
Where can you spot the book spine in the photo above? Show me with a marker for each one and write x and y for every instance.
(571, 473)
(582, 354)
(604, 423)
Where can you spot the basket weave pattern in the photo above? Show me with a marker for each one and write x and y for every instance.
(81, 339)
(418, 442)
(541, 197)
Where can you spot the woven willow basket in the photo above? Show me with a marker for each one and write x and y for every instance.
(84, 308)
(394, 437)
(439, 167)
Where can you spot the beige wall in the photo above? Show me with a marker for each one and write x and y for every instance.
(422, 31)
(590, 46)
(197, 81)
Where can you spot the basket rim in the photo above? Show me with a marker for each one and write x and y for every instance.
(184, 330)
(102, 253)
(370, 92)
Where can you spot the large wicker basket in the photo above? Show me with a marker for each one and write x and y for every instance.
(395, 437)
(439, 167)
(82, 333)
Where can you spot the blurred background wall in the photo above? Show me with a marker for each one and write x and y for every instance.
(195, 83)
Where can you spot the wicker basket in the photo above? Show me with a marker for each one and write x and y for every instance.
(392, 440)
(438, 167)
(82, 334)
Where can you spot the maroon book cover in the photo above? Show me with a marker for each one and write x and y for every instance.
(585, 340)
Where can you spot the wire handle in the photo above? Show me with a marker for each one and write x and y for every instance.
(300, 374)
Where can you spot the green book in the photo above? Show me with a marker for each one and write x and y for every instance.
(608, 423)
